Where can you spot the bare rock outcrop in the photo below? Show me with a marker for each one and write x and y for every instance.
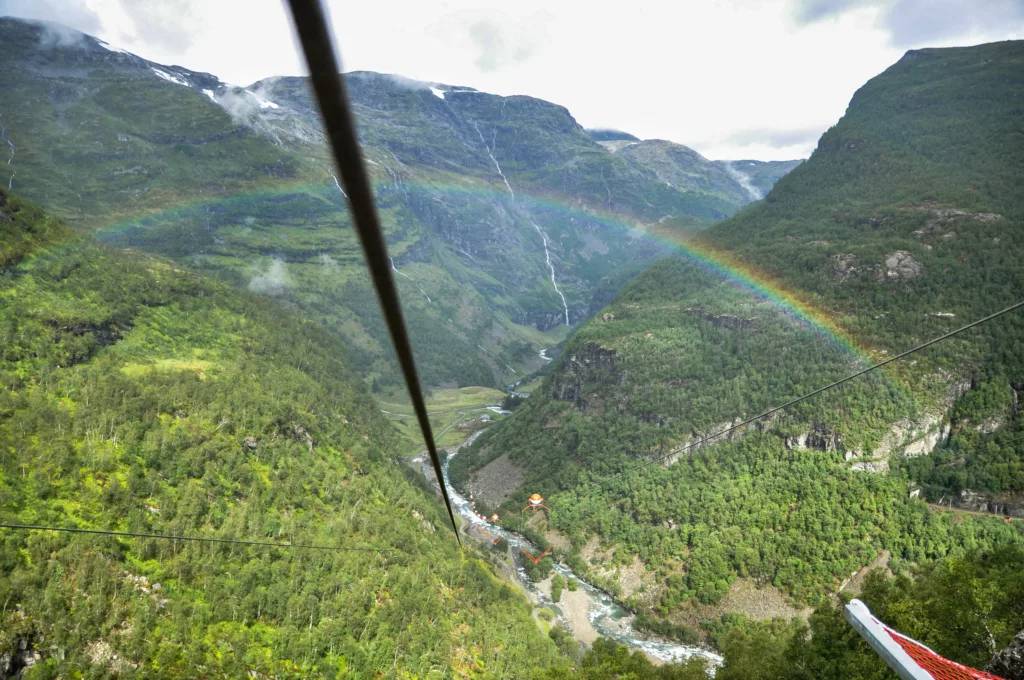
(914, 437)
(842, 267)
(21, 657)
(990, 425)
(978, 502)
(819, 438)
(920, 436)
(899, 266)
(299, 434)
(1009, 663)
(938, 226)
(589, 365)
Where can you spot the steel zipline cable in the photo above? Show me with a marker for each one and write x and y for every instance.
(199, 539)
(602, 482)
(311, 25)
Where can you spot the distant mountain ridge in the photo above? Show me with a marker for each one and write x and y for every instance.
(609, 135)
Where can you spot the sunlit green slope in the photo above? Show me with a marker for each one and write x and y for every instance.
(137, 396)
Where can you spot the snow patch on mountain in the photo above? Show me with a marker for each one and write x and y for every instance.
(264, 103)
(168, 77)
(111, 48)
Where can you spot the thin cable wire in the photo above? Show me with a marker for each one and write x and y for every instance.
(339, 124)
(131, 534)
(748, 421)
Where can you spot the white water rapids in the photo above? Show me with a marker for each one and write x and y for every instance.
(608, 618)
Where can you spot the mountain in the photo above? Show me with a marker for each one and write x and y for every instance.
(503, 215)
(613, 140)
(680, 166)
(904, 223)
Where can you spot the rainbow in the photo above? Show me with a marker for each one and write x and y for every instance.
(197, 204)
(721, 264)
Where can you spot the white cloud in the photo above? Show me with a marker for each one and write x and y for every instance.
(706, 74)
(272, 281)
(911, 23)
(74, 13)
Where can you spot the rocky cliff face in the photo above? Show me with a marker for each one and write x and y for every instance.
(1009, 663)
(818, 438)
(896, 267)
(977, 502)
(588, 367)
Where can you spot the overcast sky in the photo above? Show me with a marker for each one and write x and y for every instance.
(730, 78)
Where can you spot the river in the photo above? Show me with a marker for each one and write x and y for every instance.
(607, 617)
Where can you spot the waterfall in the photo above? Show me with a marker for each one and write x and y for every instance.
(543, 236)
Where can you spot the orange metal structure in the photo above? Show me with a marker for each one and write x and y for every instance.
(537, 559)
(536, 503)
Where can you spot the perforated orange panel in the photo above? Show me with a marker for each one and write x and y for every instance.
(940, 668)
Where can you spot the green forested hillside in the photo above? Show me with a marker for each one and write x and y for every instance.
(141, 394)
(141, 397)
(927, 165)
(137, 396)
(927, 161)
(904, 223)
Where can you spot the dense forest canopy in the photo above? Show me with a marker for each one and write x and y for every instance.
(141, 397)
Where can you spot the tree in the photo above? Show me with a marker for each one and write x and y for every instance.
(557, 584)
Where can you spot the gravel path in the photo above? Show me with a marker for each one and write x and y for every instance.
(576, 606)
